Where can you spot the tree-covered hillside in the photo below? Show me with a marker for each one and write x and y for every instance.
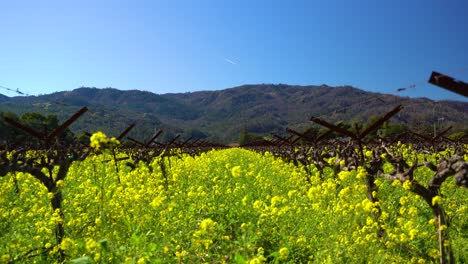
(222, 115)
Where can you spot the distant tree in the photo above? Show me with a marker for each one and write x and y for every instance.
(42, 124)
(35, 121)
(371, 121)
(8, 134)
(167, 135)
(243, 136)
(195, 133)
(390, 129)
(246, 137)
(312, 132)
(83, 138)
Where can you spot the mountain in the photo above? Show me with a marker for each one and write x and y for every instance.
(3, 98)
(221, 115)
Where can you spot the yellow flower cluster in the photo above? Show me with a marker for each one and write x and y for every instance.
(99, 140)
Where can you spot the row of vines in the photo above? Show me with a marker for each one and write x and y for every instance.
(345, 201)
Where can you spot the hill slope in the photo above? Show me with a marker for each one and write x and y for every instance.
(221, 115)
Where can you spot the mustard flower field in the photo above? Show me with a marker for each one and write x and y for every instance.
(226, 206)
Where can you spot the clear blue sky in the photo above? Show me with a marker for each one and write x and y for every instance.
(179, 46)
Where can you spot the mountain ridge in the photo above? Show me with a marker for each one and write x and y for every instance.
(221, 115)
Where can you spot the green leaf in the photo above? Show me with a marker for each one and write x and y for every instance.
(104, 243)
(239, 259)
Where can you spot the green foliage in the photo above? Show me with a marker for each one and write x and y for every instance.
(246, 138)
(390, 129)
(8, 134)
(36, 121)
(195, 133)
(243, 136)
(457, 135)
(83, 139)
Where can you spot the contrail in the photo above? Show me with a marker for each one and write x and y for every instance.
(230, 61)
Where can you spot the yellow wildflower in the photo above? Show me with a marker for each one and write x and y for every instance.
(207, 225)
(407, 185)
(283, 253)
(436, 200)
(236, 171)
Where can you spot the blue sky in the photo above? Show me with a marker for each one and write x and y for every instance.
(180, 46)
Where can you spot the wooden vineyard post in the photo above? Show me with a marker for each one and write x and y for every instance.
(449, 83)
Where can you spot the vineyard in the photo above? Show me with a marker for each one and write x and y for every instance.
(294, 199)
